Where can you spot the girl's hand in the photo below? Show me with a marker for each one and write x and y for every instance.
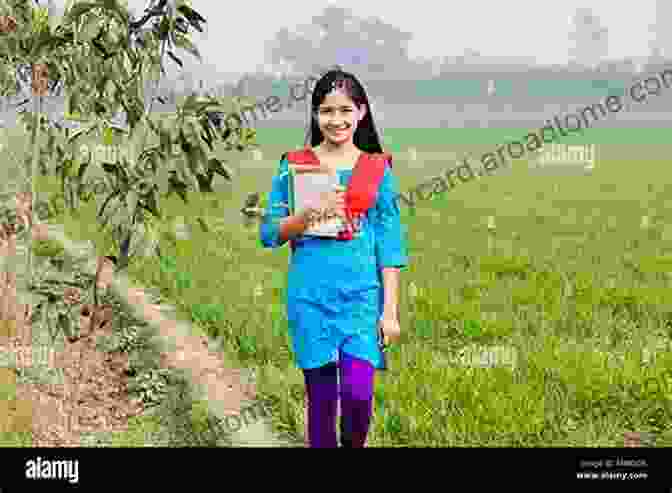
(391, 328)
(309, 215)
(333, 203)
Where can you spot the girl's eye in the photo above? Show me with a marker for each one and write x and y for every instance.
(345, 110)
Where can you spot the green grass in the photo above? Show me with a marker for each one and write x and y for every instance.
(15, 414)
(572, 286)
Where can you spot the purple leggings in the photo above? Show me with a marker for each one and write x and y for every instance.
(356, 392)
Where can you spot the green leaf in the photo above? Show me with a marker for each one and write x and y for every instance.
(148, 153)
(184, 43)
(144, 186)
(177, 186)
(162, 180)
(79, 9)
(132, 200)
(175, 59)
(218, 167)
(189, 105)
(207, 134)
(108, 136)
(109, 167)
(112, 202)
(152, 125)
(44, 44)
(114, 7)
(90, 29)
(198, 160)
(152, 205)
(202, 107)
(85, 130)
(193, 17)
(203, 224)
(65, 324)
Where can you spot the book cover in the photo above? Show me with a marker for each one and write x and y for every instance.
(307, 185)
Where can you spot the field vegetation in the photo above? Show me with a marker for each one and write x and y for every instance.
(536, 308)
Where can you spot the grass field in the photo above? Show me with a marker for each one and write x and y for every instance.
(569, 287)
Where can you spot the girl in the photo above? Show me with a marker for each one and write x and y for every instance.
(340, 290)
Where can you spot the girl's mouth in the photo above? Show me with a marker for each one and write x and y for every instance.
(338, 131)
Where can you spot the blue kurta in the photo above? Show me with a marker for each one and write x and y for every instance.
(335, 288)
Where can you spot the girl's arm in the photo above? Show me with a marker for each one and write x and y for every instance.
(273, 231)
(277, 225)
(391, 291)
(391, 255)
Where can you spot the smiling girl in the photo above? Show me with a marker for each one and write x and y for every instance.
(340, 291)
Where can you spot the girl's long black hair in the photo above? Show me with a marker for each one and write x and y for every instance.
(366, 136)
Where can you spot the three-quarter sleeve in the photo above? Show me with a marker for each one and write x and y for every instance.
(390, 237)
(276, 209)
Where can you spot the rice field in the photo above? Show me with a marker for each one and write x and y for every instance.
(536, 308)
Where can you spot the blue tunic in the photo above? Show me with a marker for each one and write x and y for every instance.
(335, 288)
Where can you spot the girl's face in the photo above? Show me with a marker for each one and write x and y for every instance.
(338, 117)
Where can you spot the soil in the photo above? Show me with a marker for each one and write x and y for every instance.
(89, 394)
(91, 391)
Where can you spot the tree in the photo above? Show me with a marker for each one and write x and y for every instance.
(296, 49)
(590, 39)
(338, 37)
(105, 58)
(385, 45)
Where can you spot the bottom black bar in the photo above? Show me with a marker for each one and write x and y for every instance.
(613, 469)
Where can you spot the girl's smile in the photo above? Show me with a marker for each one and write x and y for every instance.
(339, 132)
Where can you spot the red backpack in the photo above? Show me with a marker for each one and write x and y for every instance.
(362, 191)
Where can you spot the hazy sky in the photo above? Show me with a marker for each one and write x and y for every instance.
(235, 33)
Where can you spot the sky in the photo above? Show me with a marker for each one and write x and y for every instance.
(233, 42)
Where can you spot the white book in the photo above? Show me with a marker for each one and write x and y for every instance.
(307, 186)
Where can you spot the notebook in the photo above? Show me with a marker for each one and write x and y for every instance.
(307, 184)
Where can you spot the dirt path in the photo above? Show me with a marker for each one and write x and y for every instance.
(79, 389)
(227, 390)
(91, 395)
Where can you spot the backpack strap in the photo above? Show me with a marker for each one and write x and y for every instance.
(304, 156)
(362, 191)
